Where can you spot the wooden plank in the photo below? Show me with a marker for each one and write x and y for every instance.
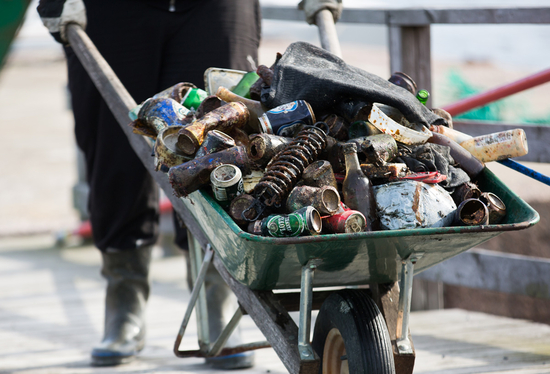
(426, 16)
(273, 321)
(538, 137)
(495, 271)
(120, 103)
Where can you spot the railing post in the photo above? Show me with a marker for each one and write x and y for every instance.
(410, 53)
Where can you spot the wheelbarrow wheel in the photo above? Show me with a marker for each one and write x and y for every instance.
(351, 336)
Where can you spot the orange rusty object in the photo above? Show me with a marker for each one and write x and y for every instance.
(498, 93)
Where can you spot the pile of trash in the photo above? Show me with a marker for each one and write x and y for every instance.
(312, 145)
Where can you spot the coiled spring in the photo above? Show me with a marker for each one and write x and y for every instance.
(287, 166)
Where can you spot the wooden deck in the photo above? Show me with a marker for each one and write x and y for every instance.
(51, 313)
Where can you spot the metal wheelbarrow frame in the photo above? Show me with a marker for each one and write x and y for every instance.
(253, 266)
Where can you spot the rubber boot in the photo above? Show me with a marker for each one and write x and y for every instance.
(222, 304)
(127, 293)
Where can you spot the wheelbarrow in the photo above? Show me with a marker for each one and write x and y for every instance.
(363, 325)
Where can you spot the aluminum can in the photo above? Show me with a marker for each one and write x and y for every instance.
(193, 98)
(346, 221)
(497, 208)
(403, 80)
(287, 119)
(301, 222)
(319, 174)
(325, 199)
(214, 141)
(472, 212)
(161, 113)
(227, 183)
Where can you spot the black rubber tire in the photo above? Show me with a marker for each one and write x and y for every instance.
(363, 330)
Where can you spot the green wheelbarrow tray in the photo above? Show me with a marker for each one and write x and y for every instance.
(266, 263)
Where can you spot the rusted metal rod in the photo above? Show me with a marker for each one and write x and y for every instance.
(498, 93)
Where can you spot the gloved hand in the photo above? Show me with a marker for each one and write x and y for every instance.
(312, 7)
(56, 14)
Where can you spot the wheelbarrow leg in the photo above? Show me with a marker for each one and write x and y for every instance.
(306, 295)
(273, 321)
(199, 281)
(394, 308)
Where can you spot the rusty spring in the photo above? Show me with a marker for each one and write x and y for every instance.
(287, 166)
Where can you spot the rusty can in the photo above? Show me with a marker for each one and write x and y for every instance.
(214, 141)
(287, 119)
(377, 149)
(345, 221)
(466, 191)
(192, 175)
(472, 212)
(497, 208)
(227, 183)
(223, 119)
(306, 221)
(338, 127)
(319, 174)
(403, 80)
(262, 147)
(175, 92)
(325, 199)
(241, 204)
(166, 154)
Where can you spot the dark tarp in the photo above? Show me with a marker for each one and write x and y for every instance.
(328, 84)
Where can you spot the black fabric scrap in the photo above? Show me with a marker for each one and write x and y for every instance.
(327, 83)
(434, 157)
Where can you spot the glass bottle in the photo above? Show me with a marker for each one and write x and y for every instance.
(357, 188)
(255, 108)
(423, 96)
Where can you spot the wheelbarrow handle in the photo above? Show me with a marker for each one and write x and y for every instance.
(327, 32)
(120, 102)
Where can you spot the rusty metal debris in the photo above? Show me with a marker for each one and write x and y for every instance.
(283, 171)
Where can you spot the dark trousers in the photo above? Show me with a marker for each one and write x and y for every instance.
(150, 49)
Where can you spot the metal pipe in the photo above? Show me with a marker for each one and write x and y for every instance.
(327, 32)
(498, 93)
(525, 170)
(195, 256)
(226, 333)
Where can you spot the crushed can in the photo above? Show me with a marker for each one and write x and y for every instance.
(345, 221)
(214, 141)
(306, 221)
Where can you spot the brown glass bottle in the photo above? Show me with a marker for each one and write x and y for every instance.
(357, 188)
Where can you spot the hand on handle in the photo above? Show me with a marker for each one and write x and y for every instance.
(312, 7)
(57, 14)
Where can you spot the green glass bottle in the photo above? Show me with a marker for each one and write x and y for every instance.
(243, 87)
(423, 96)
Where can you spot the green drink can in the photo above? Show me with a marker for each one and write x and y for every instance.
(193, 98)
(305, 221)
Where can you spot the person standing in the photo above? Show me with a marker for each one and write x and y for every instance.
(150, 45)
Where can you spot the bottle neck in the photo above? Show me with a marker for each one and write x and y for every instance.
(352, 162)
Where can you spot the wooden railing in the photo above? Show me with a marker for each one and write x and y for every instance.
(410, 52)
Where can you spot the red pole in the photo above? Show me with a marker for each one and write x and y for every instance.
(498, 93)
